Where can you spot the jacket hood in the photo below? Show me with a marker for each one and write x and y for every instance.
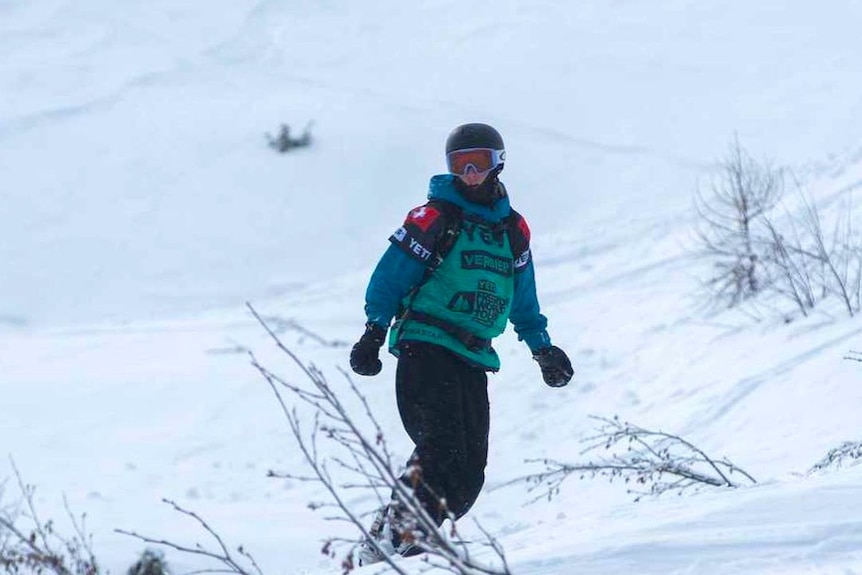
(442, 187)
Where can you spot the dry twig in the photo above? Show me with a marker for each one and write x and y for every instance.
(365, 458)
(657, 460)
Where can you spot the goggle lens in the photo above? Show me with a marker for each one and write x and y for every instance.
(481, 159)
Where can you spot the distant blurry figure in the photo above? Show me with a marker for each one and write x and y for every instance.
(284, 143)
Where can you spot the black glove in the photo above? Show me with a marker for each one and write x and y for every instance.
(557, 370)
(365, 355)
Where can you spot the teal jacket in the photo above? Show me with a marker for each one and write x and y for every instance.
(401, 269)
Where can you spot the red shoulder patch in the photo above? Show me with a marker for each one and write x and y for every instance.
(525, 229)
(422, 217)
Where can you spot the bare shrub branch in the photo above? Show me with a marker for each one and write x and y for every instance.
(802, 256)
(357, 457)
(811, 261)
(847, 454)
(284, 142)
(658, 461)
(836, 254)
(222, 554)
(729, 232)
(792, 277)
(38, 548)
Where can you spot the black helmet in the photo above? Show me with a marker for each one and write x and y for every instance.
(474, 136)
(467, 137)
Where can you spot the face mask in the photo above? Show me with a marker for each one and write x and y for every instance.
(485, 194)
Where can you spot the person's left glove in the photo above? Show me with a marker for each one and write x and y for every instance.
(365, 355)
(556, 368)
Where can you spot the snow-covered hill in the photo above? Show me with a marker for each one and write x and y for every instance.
(141, 209)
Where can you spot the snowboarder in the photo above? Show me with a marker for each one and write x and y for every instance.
(455, 272)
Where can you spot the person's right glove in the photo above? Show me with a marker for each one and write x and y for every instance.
(556, 368)
(365, 355)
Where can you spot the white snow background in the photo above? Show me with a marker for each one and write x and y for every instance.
(140, 208)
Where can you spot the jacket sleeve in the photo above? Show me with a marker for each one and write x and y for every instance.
(530, 324)
(393, 278)
(403, 264)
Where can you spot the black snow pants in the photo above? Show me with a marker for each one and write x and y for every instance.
(443, 402)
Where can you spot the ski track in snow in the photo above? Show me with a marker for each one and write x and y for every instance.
(771, 376)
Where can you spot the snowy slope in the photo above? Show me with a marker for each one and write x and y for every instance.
(142, 208)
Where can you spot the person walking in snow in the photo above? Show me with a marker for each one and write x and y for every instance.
(455, 272)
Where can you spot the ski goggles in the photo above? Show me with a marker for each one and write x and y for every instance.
(482, 160)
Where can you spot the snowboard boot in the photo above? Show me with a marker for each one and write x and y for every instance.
(393, 533)
(405, 534)
(370, 553)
